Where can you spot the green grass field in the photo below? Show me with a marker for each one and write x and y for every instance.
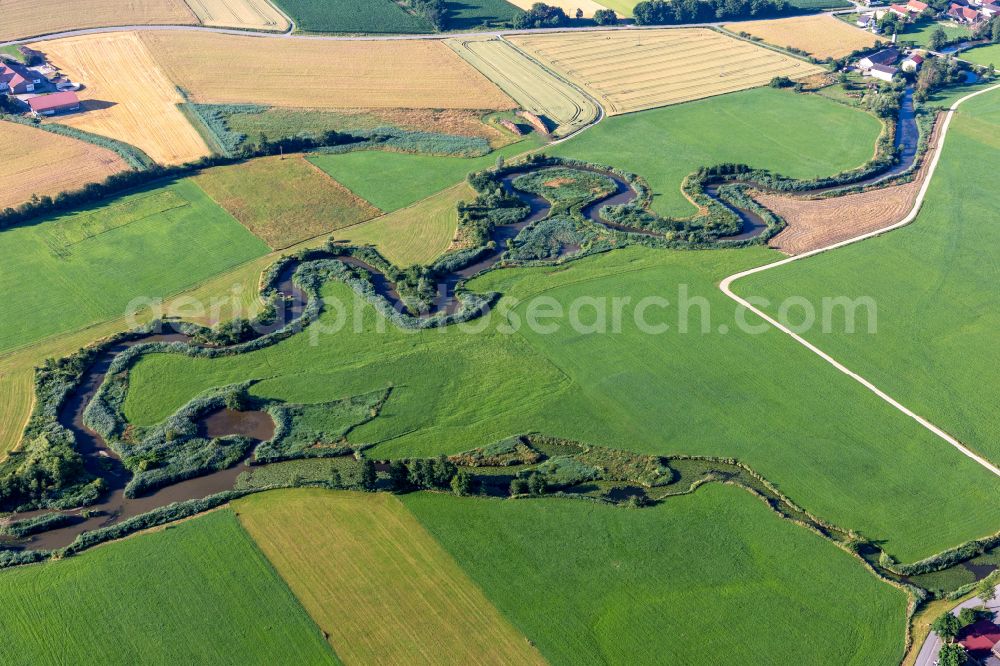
(391, 181)
(376, 581)
(417, 234)
(801, 136)
(471, 14)
(84, 267)
(710, 578)
(198, 592)
(983, 55)
(935, 284)
(376, 16)
(285, 200)
(623, 8)
(828, 443)
(920, 32)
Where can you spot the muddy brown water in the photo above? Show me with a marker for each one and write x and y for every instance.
(253, 424)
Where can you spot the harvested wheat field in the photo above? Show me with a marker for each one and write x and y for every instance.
(253, 14)
(126, 95)
(568, 6)
(821, 35)
(635, 70)
(376, 582)
(816, 223)
(32, 18)
(419, 74)
(533, 88)
(417, 234)
(33, 161)
(284, 200)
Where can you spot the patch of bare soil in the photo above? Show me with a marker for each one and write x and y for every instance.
(817, 223)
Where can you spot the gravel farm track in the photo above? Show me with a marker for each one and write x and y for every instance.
(726, 287)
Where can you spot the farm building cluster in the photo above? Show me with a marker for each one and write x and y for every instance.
(971, 13)
(886, 63)
(36, 85)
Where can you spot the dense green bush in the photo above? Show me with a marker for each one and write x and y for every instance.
(661, 12)
(19, 529)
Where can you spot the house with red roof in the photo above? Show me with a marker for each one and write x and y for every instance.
(912, 62)
(902, 11)
(980, 641)
(15, 80)
(49, 105)
(964, 15)
(916, 6)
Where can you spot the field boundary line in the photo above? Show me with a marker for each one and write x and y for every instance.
(726, 284)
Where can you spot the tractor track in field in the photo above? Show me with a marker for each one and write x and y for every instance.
(726, 287)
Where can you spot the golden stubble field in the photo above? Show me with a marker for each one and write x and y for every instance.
(534, 88)
(376, 582)
(635, 70)
(31, 18)
(33, 161)
(821, 35)
(126, 95)
(256, 14)
(232, 69)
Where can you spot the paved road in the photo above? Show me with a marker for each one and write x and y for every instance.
(727, 283)
(289, 34)
(929, 650)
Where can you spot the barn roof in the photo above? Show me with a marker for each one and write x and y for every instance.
(53, 102)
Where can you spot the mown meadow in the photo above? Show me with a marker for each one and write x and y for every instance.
(390, 180)
(935, 285)
(825, 441)
(79, 268)
(796, 135)
(196, 592)
(709, 577)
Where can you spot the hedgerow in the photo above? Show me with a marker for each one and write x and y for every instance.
(132, 155)
(20, 529)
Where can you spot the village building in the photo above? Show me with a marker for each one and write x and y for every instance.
(902, 11)
(60, 102)
(916, 6)
(884, 57)
(912, 63)
(17, 80)
(882, 72)
(964, 15)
